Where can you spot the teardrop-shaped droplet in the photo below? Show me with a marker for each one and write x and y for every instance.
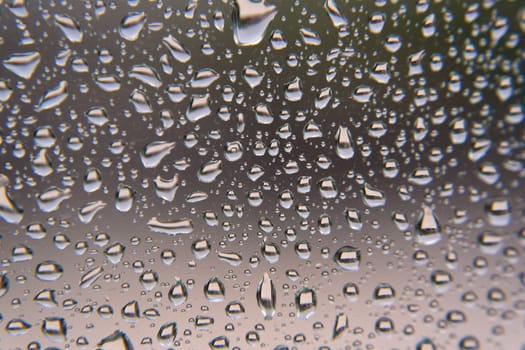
(344, 143)
(149, 279)
(266, 296)
(140, 102)
(178, 293)
(146, 74)
(89, 210)
(198, 108)
(428, 227)
(46, 298)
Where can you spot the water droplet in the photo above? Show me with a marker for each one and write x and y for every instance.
(499, 212)
(167, 334)
(250, 21)
(48, 270)
(149, 280)
(266, 296)
(340, 325)
(51, 199)
(124, 198)
(46, 298)
(209, 171)
(131, 25)
(172, 227)
(23, 64)
(17, 327)
(53, 97)
(294, 90)
(4, 284)
(176, 49)
(70, 27)
(55, 329)
(91, 276)
(146, 74)
(178, 293)
(89, 210)
(373, 197)
(348, 258)
(10, 211)
(131, 311)
(305, 303)
(335, 14)
(428, 227)
(118, 340)
(203, 78)
(153, 153)
(214, 290)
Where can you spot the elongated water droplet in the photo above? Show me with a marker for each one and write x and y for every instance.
(177, 50)
(335, 13)
(51, 199)
(70, 27)
(10, 211)
(53, 97)
(91, 276)
(4, 284)
(153, 153)
(89, 210)
(266, 296)
(250, 21)
(23, 64)
(340, 325)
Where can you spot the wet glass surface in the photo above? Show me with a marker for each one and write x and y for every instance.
(262, 174)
